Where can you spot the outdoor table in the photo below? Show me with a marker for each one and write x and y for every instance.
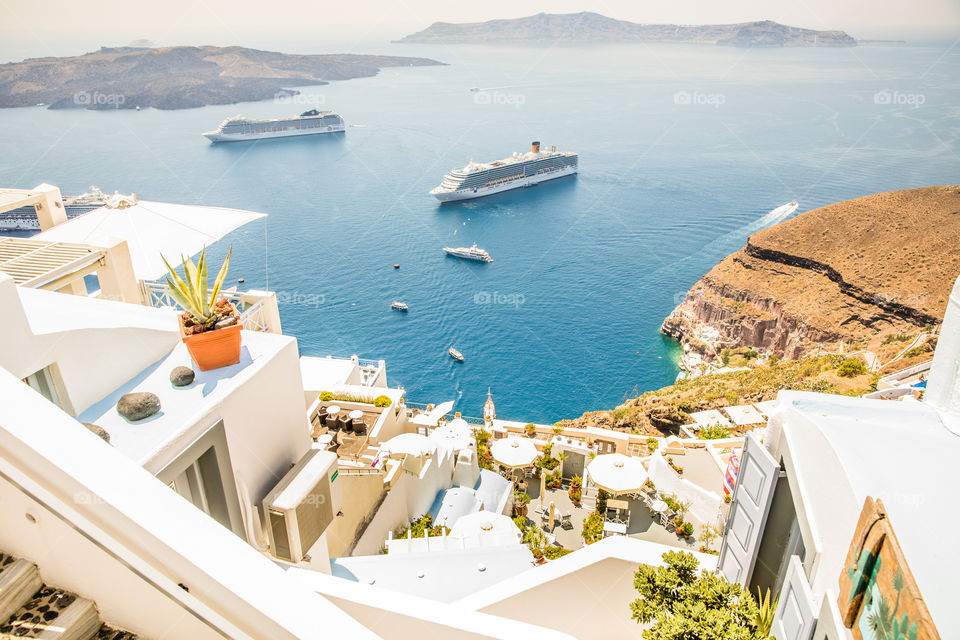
(658, 505)
(613, 527)
(333, 410)
(618, 504)
(325, 439)
(356, 414)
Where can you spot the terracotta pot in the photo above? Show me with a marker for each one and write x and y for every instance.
(214, 349)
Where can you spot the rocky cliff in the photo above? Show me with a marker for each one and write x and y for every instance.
(593, 27)
(837, 277)
(177, 77)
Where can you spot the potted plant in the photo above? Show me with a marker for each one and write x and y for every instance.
(209, 327)
(530, 429)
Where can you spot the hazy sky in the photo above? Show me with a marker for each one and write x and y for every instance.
(50, 27)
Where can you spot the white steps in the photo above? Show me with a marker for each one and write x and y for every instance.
(30, 609)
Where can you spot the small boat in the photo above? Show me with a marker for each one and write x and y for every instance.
(396, 265)
(399, 306)
(469, 253)
(456, 355)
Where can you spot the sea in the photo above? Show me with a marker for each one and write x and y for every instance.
(684, 152)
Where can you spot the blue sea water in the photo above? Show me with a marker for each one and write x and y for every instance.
(683, 151)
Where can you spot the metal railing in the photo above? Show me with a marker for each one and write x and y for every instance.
(252, 319)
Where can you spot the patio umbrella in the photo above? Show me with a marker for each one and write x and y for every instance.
(152, 229)
(412, 444)
(616, 473)
(513, 452)
(456, 434)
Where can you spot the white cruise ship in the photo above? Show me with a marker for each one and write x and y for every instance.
(519, 170)
(469, 253)
(307, 123)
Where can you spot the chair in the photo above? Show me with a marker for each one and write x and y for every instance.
(360, 427)
(331, 421)
(346, 423)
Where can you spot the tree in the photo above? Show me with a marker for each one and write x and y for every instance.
(683, 603)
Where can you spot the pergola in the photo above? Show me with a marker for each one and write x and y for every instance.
(41, 264)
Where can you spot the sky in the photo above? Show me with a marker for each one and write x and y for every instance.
(31, 28)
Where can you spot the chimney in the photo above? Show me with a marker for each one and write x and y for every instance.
(535, 146)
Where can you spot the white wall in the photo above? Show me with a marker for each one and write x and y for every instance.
(411, 497)
(705, 505)
(95, 493)
(92, 361)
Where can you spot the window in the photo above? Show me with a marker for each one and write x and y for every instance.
(42, 383)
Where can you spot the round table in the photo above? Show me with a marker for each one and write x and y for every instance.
(356, 414)
(659, 506)
(325, 439)
(333, 410)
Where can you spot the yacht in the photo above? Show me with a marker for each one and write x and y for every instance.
(456, 355)
(307, 123)
(399, 306)
(469, 253)
(479, 179)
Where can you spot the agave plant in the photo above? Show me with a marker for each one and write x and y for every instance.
(192, 293)
(765, 612)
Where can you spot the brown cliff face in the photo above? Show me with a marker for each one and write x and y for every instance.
(845, 273)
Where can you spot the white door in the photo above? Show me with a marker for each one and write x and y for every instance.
(748, 511)
(795, 614)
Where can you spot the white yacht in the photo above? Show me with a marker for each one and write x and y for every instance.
(456, 355)
(399, 306)
(469, 253)
(307, 123)
(519, 170)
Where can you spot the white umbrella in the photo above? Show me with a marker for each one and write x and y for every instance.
(514, 452)
(431, 418)
(616, 473)
(486, 524)
(152, 229)
(412, 444)
(456, 434)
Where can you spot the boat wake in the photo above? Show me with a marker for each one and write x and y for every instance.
(779, 214)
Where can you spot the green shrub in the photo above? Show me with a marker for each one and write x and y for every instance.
(916, 351)
(652, 444)
(326, 396)
(552, 552)
(687, 529)
(714, 432)
(897, 337)
(851, 368)
(593, 528)
(382, 401)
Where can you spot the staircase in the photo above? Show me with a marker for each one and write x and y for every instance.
(31, 609)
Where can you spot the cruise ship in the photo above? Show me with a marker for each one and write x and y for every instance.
(307, 123)
(469, 253)
(25, 218)
(519, 170)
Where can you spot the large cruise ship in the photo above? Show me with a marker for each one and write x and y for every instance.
(25, 218)
(307, 123)
(519, 170)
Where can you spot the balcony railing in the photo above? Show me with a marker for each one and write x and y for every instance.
(251, 317)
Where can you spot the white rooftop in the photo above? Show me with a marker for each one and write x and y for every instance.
(443, 576)
(321, 373)
(51, 312)
(902, 454)
(180, 407)
(710, 417)
(744, 414)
